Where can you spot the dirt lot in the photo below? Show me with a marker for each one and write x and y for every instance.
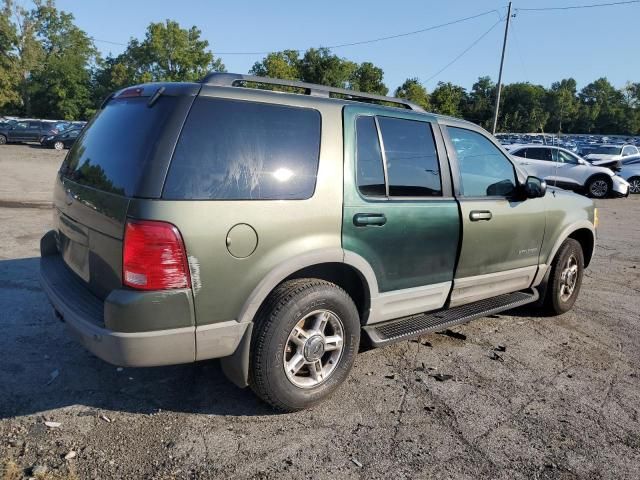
(563, 403)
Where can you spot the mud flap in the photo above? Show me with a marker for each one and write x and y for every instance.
(236, 366)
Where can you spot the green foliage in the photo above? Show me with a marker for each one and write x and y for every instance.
(448, 99)
(480, 102)
(9, 61)
(413, 91)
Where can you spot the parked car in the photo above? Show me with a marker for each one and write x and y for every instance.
(630, 171)
(25, 131)
(64, 139)
(275, 230)
(563, 168)
(610, 155)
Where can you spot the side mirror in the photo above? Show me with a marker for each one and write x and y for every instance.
(535, 187)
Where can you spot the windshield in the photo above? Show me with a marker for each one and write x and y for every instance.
(607, 150)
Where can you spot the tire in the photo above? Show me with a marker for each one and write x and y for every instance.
(3, 140)
(295, 307)
(599, 187)
(559, 297)
(58, 146)
(634, 185)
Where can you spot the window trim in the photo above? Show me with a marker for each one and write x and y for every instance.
(454, 165)
(399, 198)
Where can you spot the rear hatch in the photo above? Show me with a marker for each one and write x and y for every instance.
(124, 152)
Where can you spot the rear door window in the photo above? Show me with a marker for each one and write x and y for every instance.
(412, 160)
(239, 150)
(370, 172)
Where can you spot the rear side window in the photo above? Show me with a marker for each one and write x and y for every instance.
(370, 173)
(238, 150)
(412, 161)
(112, 152)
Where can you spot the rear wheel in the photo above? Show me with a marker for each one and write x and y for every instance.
(304, 344)
(565, 279)
(599, 187)
(3, 139)
(634, 185)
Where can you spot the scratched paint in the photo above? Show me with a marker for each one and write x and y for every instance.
(194, 267)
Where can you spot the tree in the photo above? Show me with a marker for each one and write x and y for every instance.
(285, 65)
(168, 53)
(319, 65)
(562, 105)
(62, 88)
(9, 61)
(522, 108)
(448, 99)
(368, 78)
(606, 109)
(481, 102)
(413, 91)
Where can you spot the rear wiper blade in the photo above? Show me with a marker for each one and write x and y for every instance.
(154, 98)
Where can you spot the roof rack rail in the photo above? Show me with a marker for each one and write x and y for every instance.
(236, 79)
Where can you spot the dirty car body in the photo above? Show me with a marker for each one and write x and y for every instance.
(246, 198)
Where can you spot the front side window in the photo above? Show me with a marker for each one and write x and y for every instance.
(369, 171)
(412, 160)
(239, 150)
(484, 170)
(564, 157)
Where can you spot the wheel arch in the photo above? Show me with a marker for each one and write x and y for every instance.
(346, 269)
(584, 233)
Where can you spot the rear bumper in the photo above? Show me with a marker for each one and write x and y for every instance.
(84, 317)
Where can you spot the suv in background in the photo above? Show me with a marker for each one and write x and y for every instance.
(563, 168)
(25, 131)
(275, 230)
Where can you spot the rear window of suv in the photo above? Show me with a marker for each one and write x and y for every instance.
(112, 153)
(239, 150)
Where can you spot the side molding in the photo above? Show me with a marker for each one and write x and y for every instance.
(470, 289)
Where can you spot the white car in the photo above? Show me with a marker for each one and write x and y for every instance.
(604, 155)
(630, 171)
(563, 168)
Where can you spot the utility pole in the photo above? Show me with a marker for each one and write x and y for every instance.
(504, 47)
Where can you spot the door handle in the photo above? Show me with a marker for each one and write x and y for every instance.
(365, 219)
(477, 215)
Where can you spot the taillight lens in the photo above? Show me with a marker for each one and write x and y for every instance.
(154, 257)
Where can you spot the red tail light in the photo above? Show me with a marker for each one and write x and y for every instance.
(154, 257)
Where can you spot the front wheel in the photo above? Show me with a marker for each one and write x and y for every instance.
(634, 185)
(599, 187)
(3, 139)
(58, 145)
(565, 278)
(304, 343)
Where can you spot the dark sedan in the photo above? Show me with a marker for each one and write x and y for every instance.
(62, 140)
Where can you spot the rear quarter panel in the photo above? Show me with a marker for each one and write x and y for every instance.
(286, 229)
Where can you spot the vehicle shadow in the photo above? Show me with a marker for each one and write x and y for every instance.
(43, 369)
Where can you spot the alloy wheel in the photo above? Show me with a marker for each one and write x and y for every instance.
(599, 188)
(634, 185)
(569, 278)
(313, 349)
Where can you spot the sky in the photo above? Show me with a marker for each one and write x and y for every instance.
(543, 47)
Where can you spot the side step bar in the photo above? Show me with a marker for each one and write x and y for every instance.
(405, 328)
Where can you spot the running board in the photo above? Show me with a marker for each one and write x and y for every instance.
(405, 328)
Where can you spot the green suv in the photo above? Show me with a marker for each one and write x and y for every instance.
(279, 230)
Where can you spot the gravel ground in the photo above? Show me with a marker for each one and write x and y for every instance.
(562, 402)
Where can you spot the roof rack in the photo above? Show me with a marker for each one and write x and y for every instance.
(236, 80)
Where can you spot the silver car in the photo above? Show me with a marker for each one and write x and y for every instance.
(630, 171)
(563, 168)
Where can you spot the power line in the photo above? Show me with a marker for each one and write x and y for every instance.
(475, 42)
(575, 7)
(350, 44)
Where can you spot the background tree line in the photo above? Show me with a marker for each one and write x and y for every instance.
(50, 68)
